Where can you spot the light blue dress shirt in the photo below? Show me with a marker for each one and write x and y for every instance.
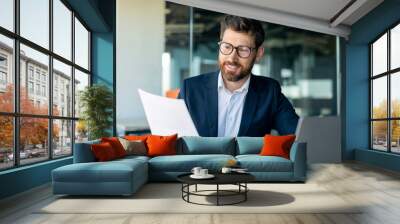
(230, 108)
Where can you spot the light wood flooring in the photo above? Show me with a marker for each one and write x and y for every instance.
(354, 182)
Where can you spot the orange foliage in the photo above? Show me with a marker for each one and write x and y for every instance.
(33, 130)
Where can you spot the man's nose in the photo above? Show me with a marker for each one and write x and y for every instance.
(233, 56)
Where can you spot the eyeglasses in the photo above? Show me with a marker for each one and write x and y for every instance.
(242, 51)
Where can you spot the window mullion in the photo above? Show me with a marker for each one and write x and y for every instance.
(16, 84)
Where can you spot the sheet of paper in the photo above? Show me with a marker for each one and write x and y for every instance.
(167, 116)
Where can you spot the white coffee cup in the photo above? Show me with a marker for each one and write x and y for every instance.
(196, 170)
(226, 170)
(203, 172)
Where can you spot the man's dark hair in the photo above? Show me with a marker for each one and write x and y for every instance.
(241, 24)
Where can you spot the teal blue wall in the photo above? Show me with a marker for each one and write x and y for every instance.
(102, 58)
(24, 178)
(357, 84)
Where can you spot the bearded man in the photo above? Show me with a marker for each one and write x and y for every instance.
(232, 101)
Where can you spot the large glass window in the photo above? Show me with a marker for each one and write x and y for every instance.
(385, 94)
(304, 62)
(43, 113)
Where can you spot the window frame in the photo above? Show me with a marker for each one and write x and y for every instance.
(388, 74)
(16, 114)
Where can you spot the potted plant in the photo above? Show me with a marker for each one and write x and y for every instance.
(96, 102)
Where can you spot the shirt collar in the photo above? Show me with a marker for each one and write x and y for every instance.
(243, 88)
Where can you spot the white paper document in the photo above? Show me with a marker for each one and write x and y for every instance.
(167, 116)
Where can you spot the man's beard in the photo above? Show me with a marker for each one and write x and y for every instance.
(230, 76)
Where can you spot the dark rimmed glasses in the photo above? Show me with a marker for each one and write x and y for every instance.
(242, 51)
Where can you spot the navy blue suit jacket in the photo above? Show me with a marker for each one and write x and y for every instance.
(265, 107)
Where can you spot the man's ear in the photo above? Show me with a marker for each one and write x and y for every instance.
(260, 53)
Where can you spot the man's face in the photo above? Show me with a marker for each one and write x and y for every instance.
(234, 68)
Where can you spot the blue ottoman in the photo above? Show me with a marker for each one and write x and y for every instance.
(118, 177)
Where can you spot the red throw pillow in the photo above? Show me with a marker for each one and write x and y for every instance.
(277, 145)
(116, 145)
(103, 152)
(161, 145)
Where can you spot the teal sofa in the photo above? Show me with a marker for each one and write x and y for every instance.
(125, 176)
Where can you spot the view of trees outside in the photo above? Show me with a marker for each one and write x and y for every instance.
(33, 138)
(386, 130)
(379, 128)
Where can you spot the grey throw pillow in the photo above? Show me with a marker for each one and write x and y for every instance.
(137, 148)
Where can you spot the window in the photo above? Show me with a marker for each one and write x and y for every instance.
(3, 61)
(30, 72)
(3, 78)
(54, 126)
(30, 87)
(385, 94)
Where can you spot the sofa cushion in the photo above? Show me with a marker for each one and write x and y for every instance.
(161, 145)
(207, 145)
(103, 152)
(257, 163)
(83, 152)
(116, 145)
(136, 147)
(111, 171)
(185, 163)
(249, 145)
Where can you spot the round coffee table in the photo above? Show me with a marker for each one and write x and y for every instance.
(238, 179)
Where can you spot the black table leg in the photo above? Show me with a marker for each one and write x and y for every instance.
(245, 193)
(217, 194)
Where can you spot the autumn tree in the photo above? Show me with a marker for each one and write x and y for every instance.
(33, 131)
(380, 127)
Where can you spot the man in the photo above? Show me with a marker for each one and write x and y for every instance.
(232, 101)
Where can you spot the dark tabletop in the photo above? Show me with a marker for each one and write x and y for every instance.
(220, 178)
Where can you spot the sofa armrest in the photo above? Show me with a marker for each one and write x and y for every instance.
(83, 152)
(298, 155)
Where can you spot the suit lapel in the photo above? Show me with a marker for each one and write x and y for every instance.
(249, 107)
(211, 104)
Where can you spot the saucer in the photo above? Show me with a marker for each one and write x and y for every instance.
(208, 176)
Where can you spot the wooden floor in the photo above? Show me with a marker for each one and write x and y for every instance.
(377, 188)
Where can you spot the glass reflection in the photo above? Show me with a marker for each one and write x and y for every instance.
(35, 21)
(62, 138)
(34, 78)
(379, 98)
(379, 135)
(6, 74)
(34, 144)
(379, 56)
(395, 47)
(6, 142)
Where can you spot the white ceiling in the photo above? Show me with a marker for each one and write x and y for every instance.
(319, 9)
(316, 15)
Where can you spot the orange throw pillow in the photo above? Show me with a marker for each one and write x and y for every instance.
(136, 137)
(103, 152)
(277, 145)
(161, 145)
(116, 145)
